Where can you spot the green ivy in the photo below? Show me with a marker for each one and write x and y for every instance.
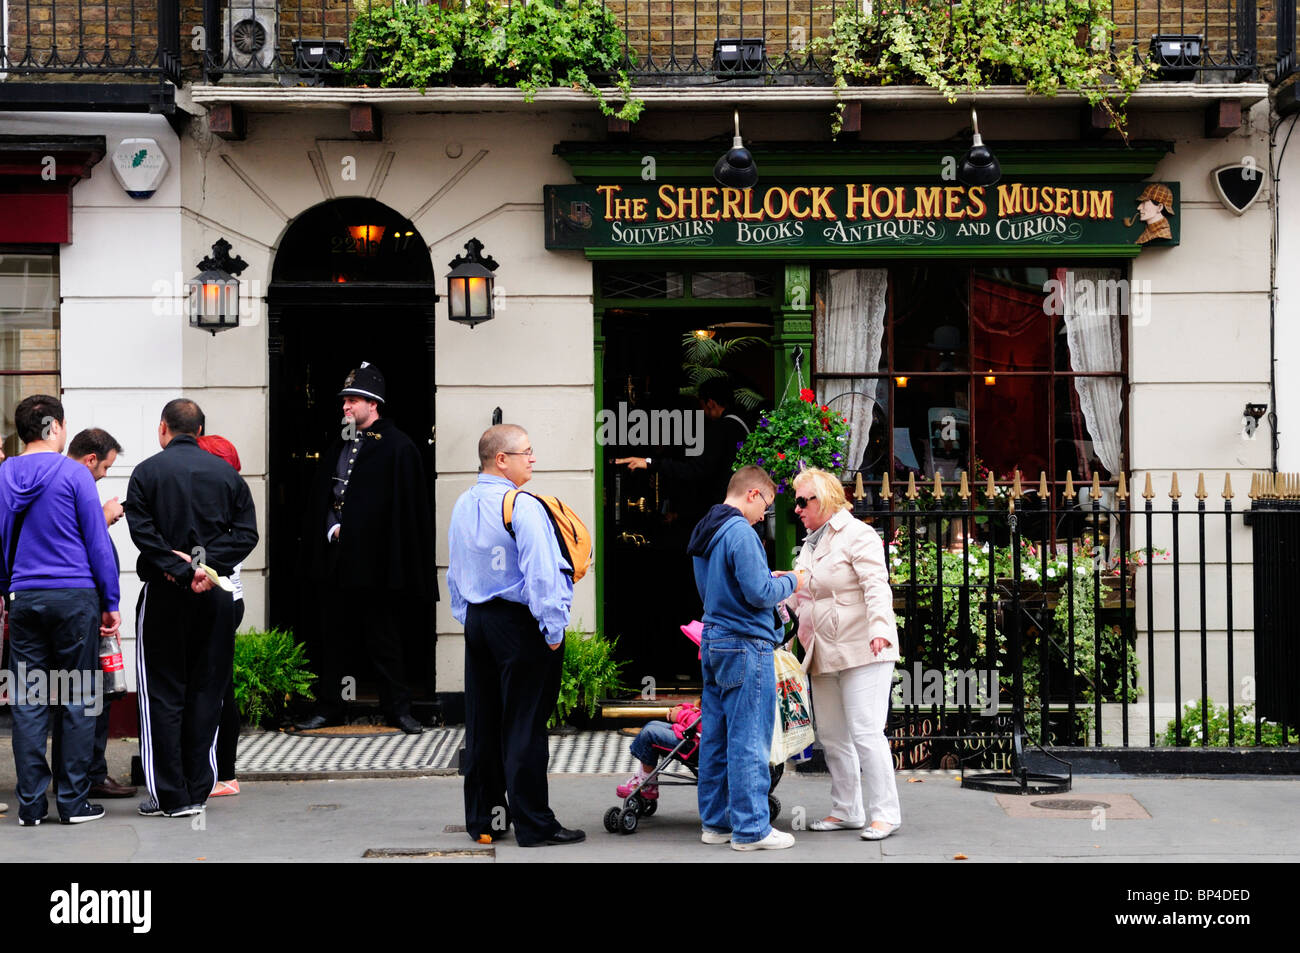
(530, 46)
(968, 46)
(589, 674)
(270, 668)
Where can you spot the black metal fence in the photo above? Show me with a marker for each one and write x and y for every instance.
(1286, 39)
(664, 41)
(63, 38)
(1092, 617)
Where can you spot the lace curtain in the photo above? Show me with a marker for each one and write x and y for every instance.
(1093, 333)
(850, 328)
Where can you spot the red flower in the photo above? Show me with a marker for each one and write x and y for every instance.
(808, 395)
(780, 456)
(824, 407)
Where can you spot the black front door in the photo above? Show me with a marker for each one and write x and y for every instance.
(317, 347)
(352, 282)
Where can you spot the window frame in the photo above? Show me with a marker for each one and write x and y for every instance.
(1051, 375)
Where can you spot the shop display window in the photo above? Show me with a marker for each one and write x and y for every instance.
(952, 368)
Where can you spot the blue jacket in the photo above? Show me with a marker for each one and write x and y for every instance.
(738, 590)
(64, 542)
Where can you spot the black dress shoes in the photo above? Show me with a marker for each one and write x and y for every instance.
(559, 838)
(314, 722)
(408, 724)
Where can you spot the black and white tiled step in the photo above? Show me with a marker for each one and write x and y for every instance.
(278, 753)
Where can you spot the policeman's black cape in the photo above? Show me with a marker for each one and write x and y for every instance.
(386, 541)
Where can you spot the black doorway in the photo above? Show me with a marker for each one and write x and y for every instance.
(352, 282)
(648, 580)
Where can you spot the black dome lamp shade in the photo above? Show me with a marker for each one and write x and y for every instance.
(978, 166)
(736, 168)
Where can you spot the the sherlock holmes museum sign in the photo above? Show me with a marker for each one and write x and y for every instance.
(1011, 218)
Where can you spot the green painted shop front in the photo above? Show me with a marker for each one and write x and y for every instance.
(677, 252)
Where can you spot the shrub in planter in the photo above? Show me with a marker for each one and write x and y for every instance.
(530, 46)
(589, 674)
(270, 668)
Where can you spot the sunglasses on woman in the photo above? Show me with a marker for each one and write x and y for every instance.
(801, 502)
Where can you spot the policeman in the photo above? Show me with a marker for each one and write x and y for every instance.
(374, 548)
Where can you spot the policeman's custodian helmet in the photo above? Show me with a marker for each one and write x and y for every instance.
(365, 381)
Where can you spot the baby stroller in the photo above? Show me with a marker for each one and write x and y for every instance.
(625, 817)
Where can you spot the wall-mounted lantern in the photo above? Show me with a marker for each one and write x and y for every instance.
(469, 285)
(212, 301)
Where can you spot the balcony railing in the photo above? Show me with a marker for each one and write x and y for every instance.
(53, 39)
(737, 42)
(1286, 39)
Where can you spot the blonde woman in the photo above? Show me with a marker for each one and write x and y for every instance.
(846, 623)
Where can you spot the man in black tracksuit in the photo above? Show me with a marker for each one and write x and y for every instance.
(184, 506)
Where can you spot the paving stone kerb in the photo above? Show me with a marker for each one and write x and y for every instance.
(1191, 819)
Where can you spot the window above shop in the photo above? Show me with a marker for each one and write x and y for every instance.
(29, 333)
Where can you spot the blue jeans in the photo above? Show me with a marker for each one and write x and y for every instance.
(738, 705)
(654, 733)
(53, 629)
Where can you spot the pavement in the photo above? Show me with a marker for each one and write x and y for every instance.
(1123, 818)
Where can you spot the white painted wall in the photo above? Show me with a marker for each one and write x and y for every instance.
(120, 360)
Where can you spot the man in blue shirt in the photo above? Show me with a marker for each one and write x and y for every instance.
(513, 596)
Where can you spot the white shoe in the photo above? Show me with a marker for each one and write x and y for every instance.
(776, 840)
(876, 833)
(837, 825)
(714, 837)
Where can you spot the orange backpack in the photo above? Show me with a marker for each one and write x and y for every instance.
(570, 532)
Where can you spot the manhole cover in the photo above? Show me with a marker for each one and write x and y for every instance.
(454, 829)
(322, 807)
(401, 852)
(1068, 804)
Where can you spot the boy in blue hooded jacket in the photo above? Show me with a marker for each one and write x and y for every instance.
(739, 698)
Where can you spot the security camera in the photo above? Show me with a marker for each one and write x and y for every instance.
(1250, 420)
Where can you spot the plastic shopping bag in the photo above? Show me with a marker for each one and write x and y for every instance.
(792, 731)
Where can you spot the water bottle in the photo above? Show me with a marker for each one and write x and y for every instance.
(110, 662)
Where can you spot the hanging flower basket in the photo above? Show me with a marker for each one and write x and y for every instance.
(796, 436)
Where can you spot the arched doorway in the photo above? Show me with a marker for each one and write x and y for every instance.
(352, 282)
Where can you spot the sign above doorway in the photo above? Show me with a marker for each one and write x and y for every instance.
(836, 219)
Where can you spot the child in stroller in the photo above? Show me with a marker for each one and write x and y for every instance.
(660, 745)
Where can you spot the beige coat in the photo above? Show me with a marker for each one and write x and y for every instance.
(847, 601)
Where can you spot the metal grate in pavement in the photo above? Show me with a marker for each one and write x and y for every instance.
(588, 752)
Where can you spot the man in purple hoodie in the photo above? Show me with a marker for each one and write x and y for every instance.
(58, 569)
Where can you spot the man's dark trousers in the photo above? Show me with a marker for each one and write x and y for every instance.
(53, 629)
(369, 620)
(512, 680)
(184, 652)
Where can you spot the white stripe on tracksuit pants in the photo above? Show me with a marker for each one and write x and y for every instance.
(184, 650)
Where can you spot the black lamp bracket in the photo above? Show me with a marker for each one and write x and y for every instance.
(220, 259)
(474, 256)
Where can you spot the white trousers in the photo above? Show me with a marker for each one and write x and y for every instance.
(851, 708)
